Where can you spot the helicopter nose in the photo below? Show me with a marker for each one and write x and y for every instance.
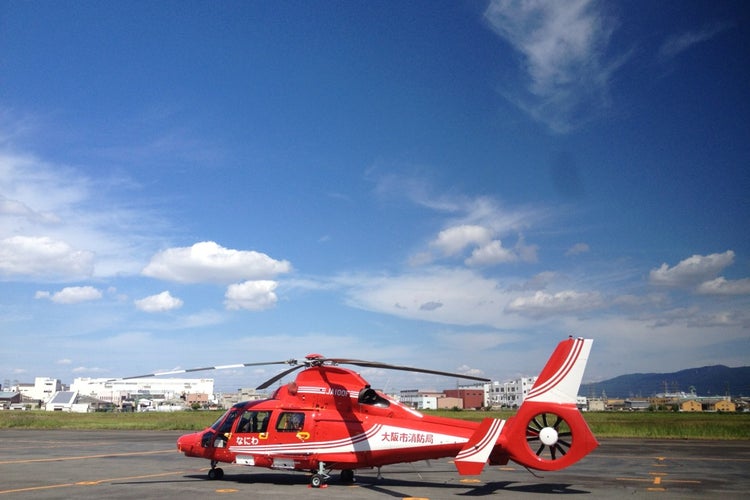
(190, 444)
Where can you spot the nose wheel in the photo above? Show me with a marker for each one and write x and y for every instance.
(320, 477)
(216, 473)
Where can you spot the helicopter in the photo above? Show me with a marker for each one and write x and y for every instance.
(330, 419)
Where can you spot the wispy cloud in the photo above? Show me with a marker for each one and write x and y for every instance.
(577, 249)
(57, 223)
(564, 46)
(677, 44)
(546, 304)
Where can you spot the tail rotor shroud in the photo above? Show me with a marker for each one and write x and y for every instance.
(549, 436)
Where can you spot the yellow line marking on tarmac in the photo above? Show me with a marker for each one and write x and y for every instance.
(91, 483)
(657, 480)
(86, 457)
(680, 459)
(37, 445)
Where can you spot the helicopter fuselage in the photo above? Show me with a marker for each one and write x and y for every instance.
(330, 418)
(314, 420)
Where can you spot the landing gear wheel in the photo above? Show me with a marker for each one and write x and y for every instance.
(216, 474)
(347, 476)
(316, 480)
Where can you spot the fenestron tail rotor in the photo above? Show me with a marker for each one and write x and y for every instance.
(549, 436)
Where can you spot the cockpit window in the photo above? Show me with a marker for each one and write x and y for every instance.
(254, 421)
(290, 421)
(369, 396)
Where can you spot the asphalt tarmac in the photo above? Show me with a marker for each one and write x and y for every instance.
(144, 465)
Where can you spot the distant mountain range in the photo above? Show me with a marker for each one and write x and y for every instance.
(717, 380)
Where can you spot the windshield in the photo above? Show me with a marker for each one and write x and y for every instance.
(224, 423)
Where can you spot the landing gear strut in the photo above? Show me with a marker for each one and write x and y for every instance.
(215, 472)
(320, 477)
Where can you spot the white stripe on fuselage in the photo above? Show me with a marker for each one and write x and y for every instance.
(378, 438)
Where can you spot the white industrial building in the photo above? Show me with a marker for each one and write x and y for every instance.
(508, 394)
(421, 400)
(117, 391)
(42, 390)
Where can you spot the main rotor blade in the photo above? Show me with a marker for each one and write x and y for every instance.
(206, 368)
(273, 379)
(375, 364)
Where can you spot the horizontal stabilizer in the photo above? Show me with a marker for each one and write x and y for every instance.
(471, 459)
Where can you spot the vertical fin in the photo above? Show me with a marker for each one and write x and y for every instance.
(561, 377)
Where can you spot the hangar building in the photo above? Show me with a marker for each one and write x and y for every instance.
(117, 391)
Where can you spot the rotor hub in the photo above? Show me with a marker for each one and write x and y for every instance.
(548, 436)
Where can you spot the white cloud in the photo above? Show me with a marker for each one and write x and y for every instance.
(563, 45)
(691, 271)
(677, 44)
(723, 286)
(251, 295)
(208, 262)
(41, 256)
(71, 295)
(491, 253)
(486, 251)
(454, 239)
(158, 303)
(545, 304)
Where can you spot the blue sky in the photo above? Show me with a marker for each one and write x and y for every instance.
(453, 185)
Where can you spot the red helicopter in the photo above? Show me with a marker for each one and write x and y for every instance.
(330, 419)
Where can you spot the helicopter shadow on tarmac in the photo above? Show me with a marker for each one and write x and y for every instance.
(389, 486)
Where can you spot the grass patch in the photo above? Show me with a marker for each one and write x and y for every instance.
(667, 425)
(649, 425)
(157, 421)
